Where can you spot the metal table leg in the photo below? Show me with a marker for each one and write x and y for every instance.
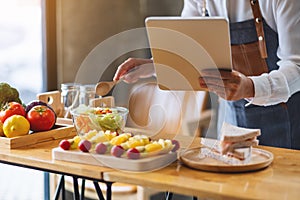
(98, 190)
(108, 190)
(46, 186)
(76, 190)
(77, 196)
(82, 188)
(169, 195)
(60, 188)
(63, 190)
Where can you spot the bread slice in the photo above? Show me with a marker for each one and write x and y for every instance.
(235, 144)
(231, 133)
(229, 159)
(241, 153)
(231, 146)
(216, 146)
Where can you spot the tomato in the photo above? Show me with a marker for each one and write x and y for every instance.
(11, 108)
(103, 111)
(41, 118)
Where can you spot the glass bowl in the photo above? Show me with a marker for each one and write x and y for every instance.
(87, 118)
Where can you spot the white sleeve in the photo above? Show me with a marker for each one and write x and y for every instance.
(279, 85)
(190, 8)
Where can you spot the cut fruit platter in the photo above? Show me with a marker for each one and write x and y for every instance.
(124, 151)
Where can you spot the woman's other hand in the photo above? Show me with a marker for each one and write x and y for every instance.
(230, 85)
(133, 69)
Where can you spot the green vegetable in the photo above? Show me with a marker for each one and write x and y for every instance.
(112, 121)
(8, 94)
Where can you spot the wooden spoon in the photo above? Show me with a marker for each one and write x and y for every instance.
(104, 87)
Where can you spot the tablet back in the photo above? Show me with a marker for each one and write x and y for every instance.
(181, 47)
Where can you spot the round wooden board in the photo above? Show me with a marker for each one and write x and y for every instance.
(260, 159)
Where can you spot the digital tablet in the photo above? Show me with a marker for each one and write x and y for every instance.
(182, 47)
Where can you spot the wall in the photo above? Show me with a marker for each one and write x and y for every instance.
(82, 25)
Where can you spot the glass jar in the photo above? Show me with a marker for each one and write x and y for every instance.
(70, 95)
(87, 92)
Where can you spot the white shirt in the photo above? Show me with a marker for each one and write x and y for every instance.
(282, 16)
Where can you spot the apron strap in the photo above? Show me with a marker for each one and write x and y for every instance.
(259, 28)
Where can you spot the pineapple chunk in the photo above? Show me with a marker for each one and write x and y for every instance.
(90, 134)
(152, 147)
(110, 135)
(75, 142)
(119, 139)
(100, 137)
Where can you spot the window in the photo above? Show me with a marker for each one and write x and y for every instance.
(21, 46)
(21, 67)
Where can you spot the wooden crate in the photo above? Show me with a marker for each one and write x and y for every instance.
(60, 131)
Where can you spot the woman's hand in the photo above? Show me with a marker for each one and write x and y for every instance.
(230, 85)
(133, 69)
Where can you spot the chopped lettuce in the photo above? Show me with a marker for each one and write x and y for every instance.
(112, 120)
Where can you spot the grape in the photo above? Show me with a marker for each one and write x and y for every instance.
(65, 144)
(177, 145)
(133, 153)
(101, 148)
(116, 133)
(117, 150)
(85, 145)
(35, 103)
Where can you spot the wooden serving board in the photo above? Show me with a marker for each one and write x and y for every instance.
(58, 132)
(138, 165)
(260, 159)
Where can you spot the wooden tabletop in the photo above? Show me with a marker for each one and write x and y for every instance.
(281, 180)
(40, 157)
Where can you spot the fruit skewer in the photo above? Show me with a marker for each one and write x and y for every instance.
(123, 145)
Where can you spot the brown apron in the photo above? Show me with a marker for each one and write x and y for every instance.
(279, 123)
(250, 58)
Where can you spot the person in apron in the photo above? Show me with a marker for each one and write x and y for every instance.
(278, 123)
(248, 94)
(254, 52)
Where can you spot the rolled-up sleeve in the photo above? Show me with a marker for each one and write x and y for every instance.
(279, 85)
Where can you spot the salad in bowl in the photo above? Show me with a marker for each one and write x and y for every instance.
(87, 118)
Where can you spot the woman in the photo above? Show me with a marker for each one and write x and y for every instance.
(263, 89)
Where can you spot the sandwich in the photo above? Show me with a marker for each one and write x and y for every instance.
(234, 139)
(234, 146)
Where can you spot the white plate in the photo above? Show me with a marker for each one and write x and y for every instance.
(138, 165)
